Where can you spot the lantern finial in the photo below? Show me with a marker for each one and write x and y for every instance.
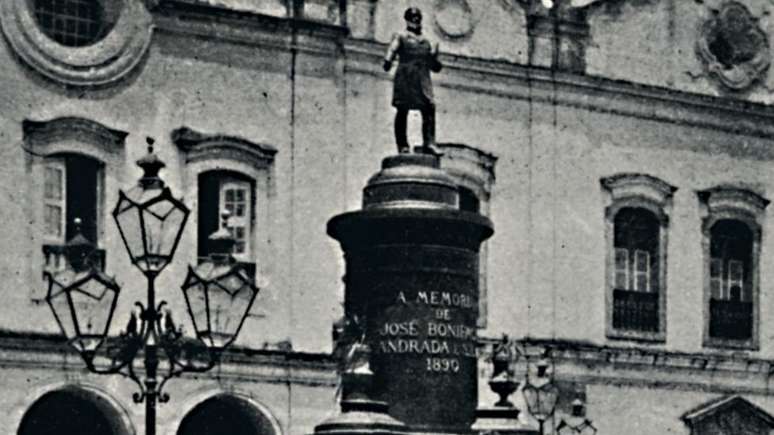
(151, 164)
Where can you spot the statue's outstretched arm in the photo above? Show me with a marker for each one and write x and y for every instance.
(392, 51)
(435, 63)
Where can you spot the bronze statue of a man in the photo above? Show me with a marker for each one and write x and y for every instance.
(412, 88)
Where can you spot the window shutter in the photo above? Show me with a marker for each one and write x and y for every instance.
(54, 200)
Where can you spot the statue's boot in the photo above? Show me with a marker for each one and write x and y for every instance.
(428, 135)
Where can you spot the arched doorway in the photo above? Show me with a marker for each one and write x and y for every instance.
(226, 415)
(72, 410)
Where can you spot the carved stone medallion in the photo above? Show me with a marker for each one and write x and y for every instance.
(454, 19)
(733, 47)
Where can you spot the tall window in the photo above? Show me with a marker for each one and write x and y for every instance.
(636, 270)
(231, 191)
(731, 308)
(636, 222)
(71, 190)
(732, 234)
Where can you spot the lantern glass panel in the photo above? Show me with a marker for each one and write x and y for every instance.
(127, 216)
(59, 301)
(93, 303)
(230, 299)
(195, 292)
(163, 223)
(541, 401)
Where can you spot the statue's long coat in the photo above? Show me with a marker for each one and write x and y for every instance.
(412, 88)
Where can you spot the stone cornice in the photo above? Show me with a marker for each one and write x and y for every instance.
(621, 357)
(219, 23)
(596, 94)
(50, 352)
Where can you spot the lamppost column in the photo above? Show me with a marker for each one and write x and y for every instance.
(151, 359)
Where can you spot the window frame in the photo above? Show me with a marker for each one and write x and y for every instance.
(746, 207)
(231, 180)
(50, 142)
(636, 190)
(251, 161)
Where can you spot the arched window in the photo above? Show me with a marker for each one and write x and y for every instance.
(731, 243)
(72, 411)
(226, 414)
(66, 170)
(637, 220)
(229, 173)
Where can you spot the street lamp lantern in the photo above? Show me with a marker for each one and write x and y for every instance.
(149, 218)
(219, 292)
(541, 395)
(82, 297)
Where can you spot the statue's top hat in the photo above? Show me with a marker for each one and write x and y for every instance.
(413, 15)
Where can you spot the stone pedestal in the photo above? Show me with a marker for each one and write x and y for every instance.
(412, 278)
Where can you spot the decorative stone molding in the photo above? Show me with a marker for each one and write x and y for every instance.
(730, 414)
(40, 133)
(733, 202)
(201, 146)
(638, 189)
(101, 63)
(733, 47)
(454, 19)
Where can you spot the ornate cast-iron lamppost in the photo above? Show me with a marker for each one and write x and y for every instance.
(218, 292)
(541, 394)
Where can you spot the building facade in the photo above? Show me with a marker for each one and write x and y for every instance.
(622, 149)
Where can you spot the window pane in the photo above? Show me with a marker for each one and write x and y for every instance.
(53, 183)
(621, 269)
(735, 280)
(642, 261)
(53, 217)
(735, 270)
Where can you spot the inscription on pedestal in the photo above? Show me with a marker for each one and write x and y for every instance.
(439, 338)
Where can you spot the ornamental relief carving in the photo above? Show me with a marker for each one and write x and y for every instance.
(91, 44)
(732, 46)
(454, 19)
